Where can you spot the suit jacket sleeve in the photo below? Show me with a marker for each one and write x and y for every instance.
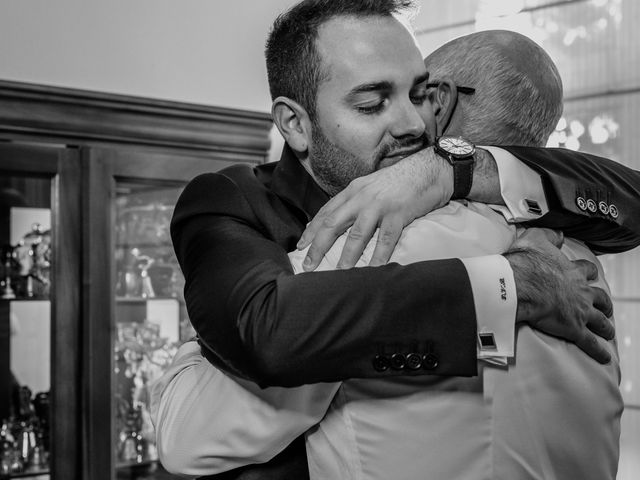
(570, 179)
(258, 320)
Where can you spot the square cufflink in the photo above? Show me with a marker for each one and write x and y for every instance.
(533, 207)
(487, 341)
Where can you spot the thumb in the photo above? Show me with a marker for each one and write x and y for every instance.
(555, 237)
(539, 237)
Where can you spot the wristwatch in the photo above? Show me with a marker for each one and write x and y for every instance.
(459, 153)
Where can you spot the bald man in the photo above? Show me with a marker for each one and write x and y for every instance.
(551, 413)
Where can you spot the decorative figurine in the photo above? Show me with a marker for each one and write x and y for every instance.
(7, 291)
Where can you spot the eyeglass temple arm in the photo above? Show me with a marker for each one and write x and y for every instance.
(466, 90)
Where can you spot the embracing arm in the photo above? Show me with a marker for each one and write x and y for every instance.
(570, 183)
(590, 198)
(208, 422)
(258, 320)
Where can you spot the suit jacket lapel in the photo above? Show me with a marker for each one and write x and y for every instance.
(292, 183)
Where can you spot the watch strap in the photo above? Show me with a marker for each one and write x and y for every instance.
(462, 177)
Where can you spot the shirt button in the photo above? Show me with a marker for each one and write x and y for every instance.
(613, 211)
(582, 203)
(380, 363)
(591, 205)
(414, 361)
(398, 361)
(430, 361)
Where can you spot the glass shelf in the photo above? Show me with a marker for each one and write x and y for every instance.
(34, 473)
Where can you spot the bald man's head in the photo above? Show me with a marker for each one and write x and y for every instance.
(518, 97)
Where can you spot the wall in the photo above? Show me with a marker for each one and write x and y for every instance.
(201, 51)
(595, 46)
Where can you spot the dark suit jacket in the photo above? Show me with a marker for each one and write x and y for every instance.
(232, 230)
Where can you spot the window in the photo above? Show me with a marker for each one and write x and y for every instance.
(596, 46)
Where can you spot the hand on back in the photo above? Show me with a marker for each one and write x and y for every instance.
(555, 295)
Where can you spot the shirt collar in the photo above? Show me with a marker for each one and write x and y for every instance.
(293, 183)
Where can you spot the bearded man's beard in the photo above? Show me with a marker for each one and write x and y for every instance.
(334, 167)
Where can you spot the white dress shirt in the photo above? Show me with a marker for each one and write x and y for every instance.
(552, 413)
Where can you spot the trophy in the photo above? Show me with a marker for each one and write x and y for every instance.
(23, 448)
(27, 266)
(132, 446)
(147, 287)
(33, 254)
(7, 290)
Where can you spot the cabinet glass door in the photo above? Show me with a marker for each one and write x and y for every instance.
(25, 326)
(39, 312)
(150, 317)
(133, 301)
(40, 431)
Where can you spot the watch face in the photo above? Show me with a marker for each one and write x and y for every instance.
(456, 146)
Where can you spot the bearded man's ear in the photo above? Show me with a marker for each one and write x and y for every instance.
(443, 98)
(293, 122)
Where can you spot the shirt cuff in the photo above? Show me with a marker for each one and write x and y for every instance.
(521, 188)
(494, 297)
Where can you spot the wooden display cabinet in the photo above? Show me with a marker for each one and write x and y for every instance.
(109, 169)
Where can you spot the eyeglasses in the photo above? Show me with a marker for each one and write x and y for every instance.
(465, 90)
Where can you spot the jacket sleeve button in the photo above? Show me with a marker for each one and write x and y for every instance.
(397, 361)
(414, 361)
(613, 211)
(380, 363)
(430, 361)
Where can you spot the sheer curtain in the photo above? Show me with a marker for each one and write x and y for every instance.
(596, 46)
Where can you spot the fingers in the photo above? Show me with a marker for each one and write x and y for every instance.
(330, 222)
(322, 219)
(322, 242)
(601, 326)
(357, 240)
(602, 301)
(598, 325)
(555, 237)
(543, 235)
(539, 238)
(388, 237)
(588, 268)
(390, 193)
(590, 344)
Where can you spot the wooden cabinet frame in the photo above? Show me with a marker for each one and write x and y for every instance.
(62, 167)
